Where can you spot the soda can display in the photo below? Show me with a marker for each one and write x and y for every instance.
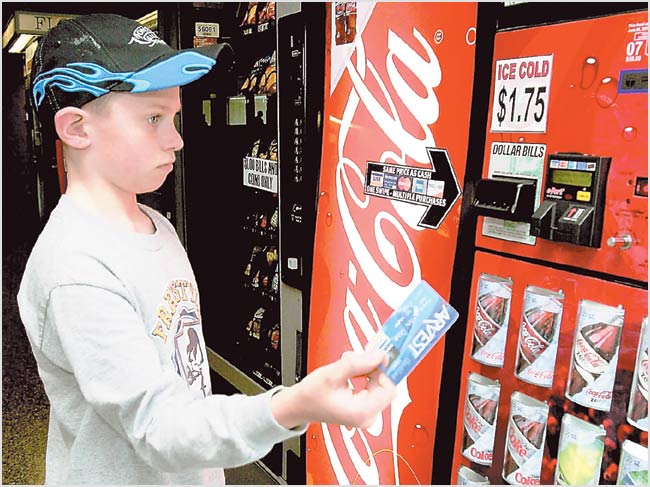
(492, 312)
(340, 24)
(637, 411)
(633, 467)
(467, 476)
(522, 459)
(580, 452)
(479, 418)
(539, 332)
(351, 20)
(595, 354)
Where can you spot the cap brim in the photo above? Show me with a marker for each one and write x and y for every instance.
(178, 68)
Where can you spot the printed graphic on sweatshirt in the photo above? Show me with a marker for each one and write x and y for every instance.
(178, 324)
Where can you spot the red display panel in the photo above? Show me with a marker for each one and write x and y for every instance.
(575, 288)
(595, 105)
(393, 89)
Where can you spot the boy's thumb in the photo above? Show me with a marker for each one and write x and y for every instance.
(354, 364)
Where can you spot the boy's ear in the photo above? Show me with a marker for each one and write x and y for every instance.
(70, 127)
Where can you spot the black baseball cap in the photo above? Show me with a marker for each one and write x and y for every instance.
(88, 56)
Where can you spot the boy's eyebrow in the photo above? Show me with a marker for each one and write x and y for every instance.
(165, 107)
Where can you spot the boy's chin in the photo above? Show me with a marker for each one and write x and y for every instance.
(151, 188)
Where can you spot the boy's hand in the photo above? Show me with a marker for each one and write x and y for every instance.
(325, 395)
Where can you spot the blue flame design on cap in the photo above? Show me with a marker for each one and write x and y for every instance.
(179, 70)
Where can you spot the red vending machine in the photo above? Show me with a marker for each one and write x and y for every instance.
(554, 375)
(395, 136)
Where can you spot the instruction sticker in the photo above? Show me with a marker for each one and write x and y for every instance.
(261, 174)
(436, 188)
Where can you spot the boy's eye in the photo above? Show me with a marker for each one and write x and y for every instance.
(154, 119)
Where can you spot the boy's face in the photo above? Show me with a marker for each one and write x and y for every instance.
(133, 139)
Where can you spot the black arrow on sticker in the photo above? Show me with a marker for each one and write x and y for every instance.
(444, 171)
(441, 171)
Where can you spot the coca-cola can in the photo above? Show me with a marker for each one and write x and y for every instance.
(637, 411)
(492, 312)
(467, 476)
(522, 460)
(595, 354)
(538, 335)
(580, 452)
(339, 22)
(479, 418)
(633, 466)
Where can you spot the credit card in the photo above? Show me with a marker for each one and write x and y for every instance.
(412, 330)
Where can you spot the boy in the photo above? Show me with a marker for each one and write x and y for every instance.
(108, 294)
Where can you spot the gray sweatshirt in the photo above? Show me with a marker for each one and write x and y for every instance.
(114, 321)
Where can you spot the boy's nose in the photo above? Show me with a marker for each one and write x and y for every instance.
(174, 140)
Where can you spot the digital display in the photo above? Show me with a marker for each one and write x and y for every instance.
(572, 178)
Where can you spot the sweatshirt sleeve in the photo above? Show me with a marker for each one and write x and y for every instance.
(121, 377)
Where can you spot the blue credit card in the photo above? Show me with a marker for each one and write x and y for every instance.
(412, 330)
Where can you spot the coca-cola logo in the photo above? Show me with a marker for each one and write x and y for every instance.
(354, 210)
(484, 327)
(523, 479)
(540, 374)
(588, 358)
(382, 105)
(529, 342)
(485, 355)
(606, 395)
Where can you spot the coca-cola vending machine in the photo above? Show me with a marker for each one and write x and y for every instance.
(553, 386)
(395, 137)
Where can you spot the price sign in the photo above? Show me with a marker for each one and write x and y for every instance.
(521, 90)
(206, 29)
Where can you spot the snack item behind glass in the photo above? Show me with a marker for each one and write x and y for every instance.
(412, 330)
(479, 418)
(538, 335)
(633, 467)
(595, 354)
(492, 312)
(525, 437)
(580, 452)
(467, 476)
(637, 412)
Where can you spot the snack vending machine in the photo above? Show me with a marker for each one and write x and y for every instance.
(554, 380)
(395, 136)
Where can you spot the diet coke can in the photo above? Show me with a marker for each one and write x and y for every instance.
(580, 452)
(633, 467)
(538, 335)
(637, 411)
(467, 476)
(595, 354)
(492, 312)
(479, 418)
(522, 460)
